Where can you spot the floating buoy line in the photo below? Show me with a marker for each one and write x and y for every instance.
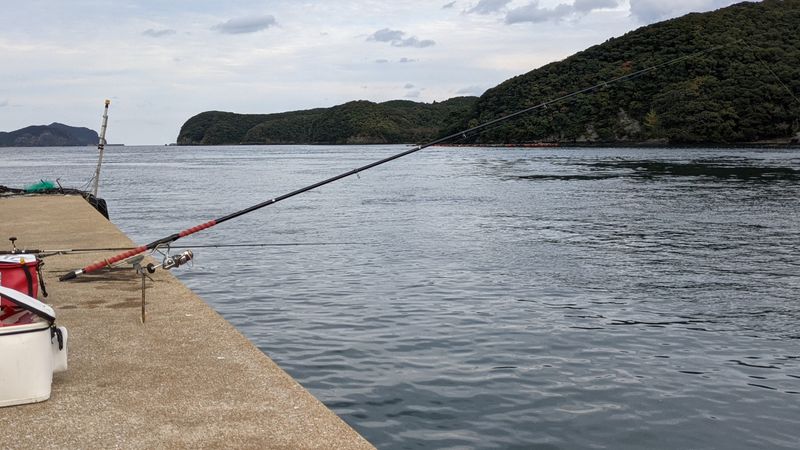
(163, 245)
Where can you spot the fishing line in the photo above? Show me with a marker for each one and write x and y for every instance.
(766, 66)
(166, 241)
(46, 253)
(281, 244)
(573, 94)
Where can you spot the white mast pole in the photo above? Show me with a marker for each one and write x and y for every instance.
(101, 146)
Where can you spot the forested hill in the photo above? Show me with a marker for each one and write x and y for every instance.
(745, 91)
(358, 122)
(53, 135)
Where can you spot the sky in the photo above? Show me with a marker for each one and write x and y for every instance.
(162, 61)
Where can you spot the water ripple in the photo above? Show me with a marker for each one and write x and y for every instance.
(497, 298)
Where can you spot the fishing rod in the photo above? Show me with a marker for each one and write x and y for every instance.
(166, 241)
(100, 147)
(67, 251)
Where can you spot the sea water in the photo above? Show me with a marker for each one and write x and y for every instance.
(494, 298)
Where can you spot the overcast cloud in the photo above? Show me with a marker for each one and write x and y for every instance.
(163, 62)
(397, 39)
(587, 6)
(242, 25)
(158, 33)
(534, 13)
(488, 6)
(649, 11)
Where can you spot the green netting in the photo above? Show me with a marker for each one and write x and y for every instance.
(43, 185)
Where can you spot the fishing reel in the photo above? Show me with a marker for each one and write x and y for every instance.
(168, 261)
(173, 261)
(14, 249)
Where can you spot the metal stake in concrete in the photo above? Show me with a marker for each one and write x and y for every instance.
(143, 271)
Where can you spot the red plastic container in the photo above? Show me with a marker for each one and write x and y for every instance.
(21, 273)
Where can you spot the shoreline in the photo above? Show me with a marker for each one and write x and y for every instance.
(661, 145)
(788, 145)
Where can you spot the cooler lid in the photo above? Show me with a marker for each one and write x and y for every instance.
(28, 303)
(17, 258)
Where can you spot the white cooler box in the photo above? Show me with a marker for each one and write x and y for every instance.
(31, 349)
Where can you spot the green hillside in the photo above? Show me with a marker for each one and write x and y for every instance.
(358, 122)
(739, 93)
(746, 91)
(53, 135)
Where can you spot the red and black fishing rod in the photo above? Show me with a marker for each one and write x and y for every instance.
(68, 251)
(172, 238)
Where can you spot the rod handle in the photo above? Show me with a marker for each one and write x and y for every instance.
(68, 276)
(200, 227)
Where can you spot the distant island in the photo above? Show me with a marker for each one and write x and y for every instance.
(358, 122)
(53, 135)
(745, 91)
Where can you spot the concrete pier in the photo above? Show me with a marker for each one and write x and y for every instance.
(184, 379)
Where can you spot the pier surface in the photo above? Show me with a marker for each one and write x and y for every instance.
(186, 378)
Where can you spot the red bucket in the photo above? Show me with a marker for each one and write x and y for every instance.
(22, 273)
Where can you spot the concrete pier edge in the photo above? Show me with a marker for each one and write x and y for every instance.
(186, 378)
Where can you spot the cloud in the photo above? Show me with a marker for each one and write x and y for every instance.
(396, 39)
(533, 13)
(646, 11)
(158, 33)
(488, 6)
(386, 35)
(403, 60)
(649, 11)
(587, 6)
(243, 25)
(449, 5)
(413, 94)
(414, 42)
(3, 103)
(408, 86)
